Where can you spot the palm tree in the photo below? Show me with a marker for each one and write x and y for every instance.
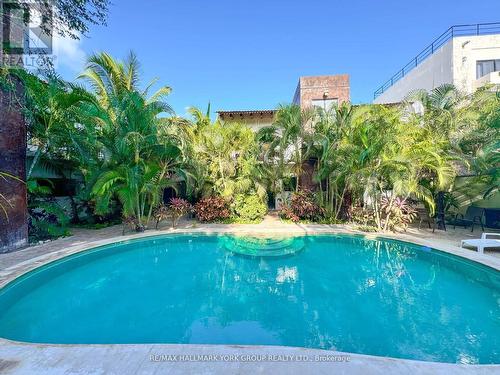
(137, 159)
(479, 143)
(444, 115)
(330, 126)
(53, 116)
(288, 143)
(189, 134)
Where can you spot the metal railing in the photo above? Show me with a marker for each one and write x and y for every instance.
(453, 31)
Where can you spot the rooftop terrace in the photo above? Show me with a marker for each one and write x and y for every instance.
(453, 31)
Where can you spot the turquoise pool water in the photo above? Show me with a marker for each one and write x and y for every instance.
(377, 297)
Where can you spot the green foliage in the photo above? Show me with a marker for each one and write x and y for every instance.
(286, 145)
(46, 220)
(134, 157)
(219, 159)
(70, 18)
(249, 208)
(126, 146)
(397, 213)
(365, 152)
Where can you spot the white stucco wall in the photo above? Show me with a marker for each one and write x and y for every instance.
(467, 50)
(434, 71)
(454, 62)
(256, 125)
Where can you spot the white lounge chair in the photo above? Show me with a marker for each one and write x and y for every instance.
(485, 241)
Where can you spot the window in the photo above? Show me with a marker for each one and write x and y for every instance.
(484, 67)
(326, 104)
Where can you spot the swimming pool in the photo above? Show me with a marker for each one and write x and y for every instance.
(347, 293)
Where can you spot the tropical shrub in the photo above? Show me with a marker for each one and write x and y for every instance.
(178, 207)
(213, 208)
(302, 207)
(131, 223)
(133, 156)
(397, 213)
(249, 207)
(160, 213)
(46, 219)
(220, 158)
(362, 215)
(287, 213)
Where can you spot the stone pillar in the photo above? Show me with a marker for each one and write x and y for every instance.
(14, 228)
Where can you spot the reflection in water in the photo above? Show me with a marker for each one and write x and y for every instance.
(345, 293)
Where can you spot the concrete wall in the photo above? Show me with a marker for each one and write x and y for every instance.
(467, 50)
(436, 70)
(454, 62)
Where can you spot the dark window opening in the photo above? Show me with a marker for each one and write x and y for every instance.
(484, 67)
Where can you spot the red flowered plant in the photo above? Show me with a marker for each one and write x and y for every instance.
(302, 207)
(287, 213)
(161, 213)
(211, 209)
(178, 207)
(397, 214)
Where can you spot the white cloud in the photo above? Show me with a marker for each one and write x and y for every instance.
(69, 55)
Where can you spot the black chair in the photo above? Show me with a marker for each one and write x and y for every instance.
(473, 215)
(424, 217)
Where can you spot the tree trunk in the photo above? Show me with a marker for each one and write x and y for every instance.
(14, 229)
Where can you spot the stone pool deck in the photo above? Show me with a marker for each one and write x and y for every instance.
(25, 358)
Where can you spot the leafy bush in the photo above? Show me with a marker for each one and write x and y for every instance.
(46, 220)
(178, 207)
(161, 213)
(363, 216)
(213, 208)
(287, 213)
(132, 223)
(249, 207)
(397, 215)
(302, 207)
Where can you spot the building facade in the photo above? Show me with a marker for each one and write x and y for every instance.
(467, 56)
(256, 119)
(319, 91)
(322, 91)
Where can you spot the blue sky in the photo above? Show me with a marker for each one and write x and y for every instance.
(249, 54)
